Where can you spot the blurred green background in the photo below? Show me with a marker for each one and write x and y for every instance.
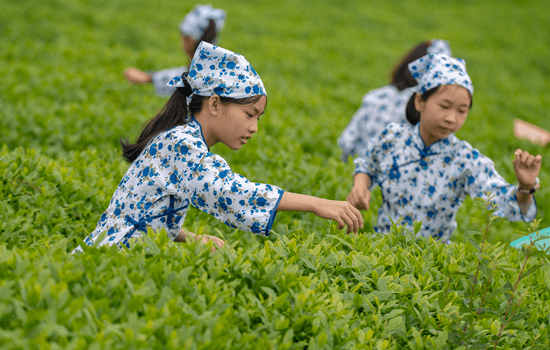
(65, 103)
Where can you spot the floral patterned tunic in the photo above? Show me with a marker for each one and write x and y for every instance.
(429, 184)
(174, 170)
(379, 108)
(161, 78)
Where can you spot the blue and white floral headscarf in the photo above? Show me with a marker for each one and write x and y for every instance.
(195, 22)
(440, 46)
(217, 71)
(438, 69)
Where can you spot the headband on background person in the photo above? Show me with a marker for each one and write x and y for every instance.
(438, 69)
(195, 22)
(440, 46)
(218, 71)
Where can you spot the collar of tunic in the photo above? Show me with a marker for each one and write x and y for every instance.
(441, 146)
(195, 129)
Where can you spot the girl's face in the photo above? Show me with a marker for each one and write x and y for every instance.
(443, 113)
(235, 124)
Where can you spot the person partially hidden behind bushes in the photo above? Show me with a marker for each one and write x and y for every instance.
(203, 23)
(425, 171)
(220, 100)
(386, 104)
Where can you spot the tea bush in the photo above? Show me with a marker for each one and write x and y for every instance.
(64, 105)
(327, 290)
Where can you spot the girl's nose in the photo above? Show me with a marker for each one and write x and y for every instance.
(254, 127)
(451, 117)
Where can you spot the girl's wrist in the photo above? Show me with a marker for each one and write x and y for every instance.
(528, 188)
(361, 179)
(314, 205)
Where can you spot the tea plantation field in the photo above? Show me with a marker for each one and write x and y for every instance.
(64, 103)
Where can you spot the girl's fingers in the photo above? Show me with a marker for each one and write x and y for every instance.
(359, 199)
(366, 200)
(349, 223)
(341, 223)
(353, 221)
(529, 161)
(537, 161)
(351, 198)
(219, 242)
(354, 199)
(358, 215)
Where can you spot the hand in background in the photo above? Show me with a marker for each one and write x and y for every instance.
(218, 242)
(359, 196)
(186, 236)
(527, 168)
(137, 76)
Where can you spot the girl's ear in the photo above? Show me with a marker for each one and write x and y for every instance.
(419, 103)
(214, 104)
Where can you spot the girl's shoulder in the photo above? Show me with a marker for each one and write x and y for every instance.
(393, 135)
(398, 130)
(387, 94)
(464, 150)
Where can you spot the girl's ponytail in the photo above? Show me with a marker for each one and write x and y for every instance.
(400, 77)
(173, 113)
(209, 35)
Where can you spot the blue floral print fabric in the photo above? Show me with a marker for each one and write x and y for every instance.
(438, 69)
(429, 184)
(440, 46)
(217, 71)
(379, 108)
(175, 170)
(161, 78)
(195, 22)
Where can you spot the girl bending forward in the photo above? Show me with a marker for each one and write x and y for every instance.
(220, 100)
(387, 104)
(425, 171)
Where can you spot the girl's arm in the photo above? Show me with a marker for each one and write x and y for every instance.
(359, 196)
(340, 211)
(527, 168)
(137, 76)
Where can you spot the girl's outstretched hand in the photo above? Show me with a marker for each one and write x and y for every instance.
(359, 196)
(340, 211)
(527, 168)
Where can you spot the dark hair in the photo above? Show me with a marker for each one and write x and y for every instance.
(209, 35)
(401, 78)
(173, 113)
(413, 116)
